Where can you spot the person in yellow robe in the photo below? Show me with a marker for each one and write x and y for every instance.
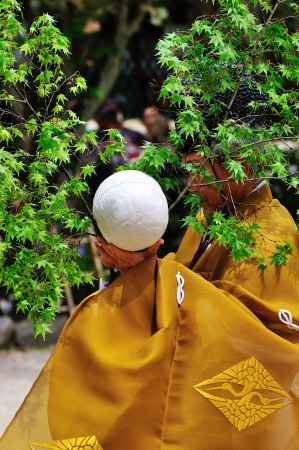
(191, 352)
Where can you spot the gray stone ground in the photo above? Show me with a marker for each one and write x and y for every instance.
(18, 370)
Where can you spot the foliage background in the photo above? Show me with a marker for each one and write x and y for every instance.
(93, 26)
(113, 43)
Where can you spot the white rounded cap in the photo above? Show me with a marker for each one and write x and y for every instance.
(131, 210)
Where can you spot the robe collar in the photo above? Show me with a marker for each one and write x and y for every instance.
(254, 201)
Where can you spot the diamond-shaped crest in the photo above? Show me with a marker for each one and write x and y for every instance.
(80, 443)
(244, 393)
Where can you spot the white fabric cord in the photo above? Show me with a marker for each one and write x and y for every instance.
(286, 317)
(180, 295)
(103, 284)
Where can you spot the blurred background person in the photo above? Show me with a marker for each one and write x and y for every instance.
(157, 125)
(111, 115)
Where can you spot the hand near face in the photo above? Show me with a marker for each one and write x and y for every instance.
(116, 258)
(231, 191)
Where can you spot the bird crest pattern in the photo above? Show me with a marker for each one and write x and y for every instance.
(245, 393)
(80, 443)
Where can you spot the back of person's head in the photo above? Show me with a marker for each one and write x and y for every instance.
(111, 113)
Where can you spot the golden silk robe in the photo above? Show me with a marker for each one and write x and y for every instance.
(168, 358)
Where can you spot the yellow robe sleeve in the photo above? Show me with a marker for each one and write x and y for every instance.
(272, 295)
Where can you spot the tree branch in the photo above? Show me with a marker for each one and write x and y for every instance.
(182, 194)
(108, 76)
(135, 24)
(232, 100)
(278, 3)
(264, 141)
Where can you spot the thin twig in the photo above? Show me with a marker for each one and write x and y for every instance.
(183, 193)
(282, 19)
(24, 97)
(59, 89)
(232, 101)
(230, 180)
(179, 198)
(210, 16)
(240, 119)
(10, 100)
(278, 3)
(264, 141)
(232, 200)
(17, 116)
(79, 238)
(88, 210)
